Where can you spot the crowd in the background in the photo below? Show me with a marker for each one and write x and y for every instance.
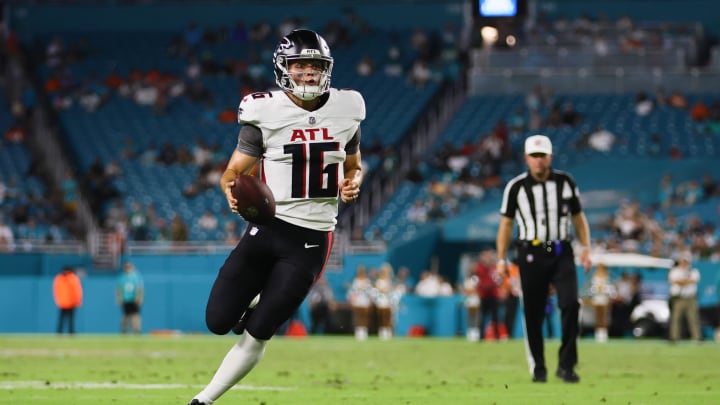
(70, 80)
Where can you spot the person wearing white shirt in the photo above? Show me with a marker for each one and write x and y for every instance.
(684, 280)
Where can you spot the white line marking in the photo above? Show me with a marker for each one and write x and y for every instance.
(38, 385)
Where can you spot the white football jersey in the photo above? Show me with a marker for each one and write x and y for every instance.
(304, 152)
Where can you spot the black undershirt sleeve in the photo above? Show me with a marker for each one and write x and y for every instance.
(353, 144)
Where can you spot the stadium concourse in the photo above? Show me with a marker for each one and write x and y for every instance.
(115, 134)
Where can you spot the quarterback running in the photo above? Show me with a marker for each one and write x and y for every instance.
(304, 142)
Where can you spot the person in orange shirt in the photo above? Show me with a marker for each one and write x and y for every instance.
(68, 293)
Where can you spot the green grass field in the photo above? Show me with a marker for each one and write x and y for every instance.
(155, 370)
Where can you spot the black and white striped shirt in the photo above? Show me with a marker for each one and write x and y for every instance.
(542, 210)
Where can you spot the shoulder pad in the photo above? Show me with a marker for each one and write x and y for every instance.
(354, 101)
(252, 105)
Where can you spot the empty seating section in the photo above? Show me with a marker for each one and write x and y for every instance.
(393, 105)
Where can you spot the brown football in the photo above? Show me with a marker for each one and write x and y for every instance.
(256, 202)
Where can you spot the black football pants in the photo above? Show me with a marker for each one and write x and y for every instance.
(538, 270)
(280, 260)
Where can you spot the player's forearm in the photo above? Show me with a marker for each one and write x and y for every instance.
(353, 168)
(355, 175)
(227, 176)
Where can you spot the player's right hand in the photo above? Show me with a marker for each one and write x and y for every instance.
(232, 202)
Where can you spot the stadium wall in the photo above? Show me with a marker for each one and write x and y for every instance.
(177, 287)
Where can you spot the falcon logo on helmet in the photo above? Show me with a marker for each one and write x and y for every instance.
(302, 45)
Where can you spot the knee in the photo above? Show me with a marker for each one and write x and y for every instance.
(217, 325)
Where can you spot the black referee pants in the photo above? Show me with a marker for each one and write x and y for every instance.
(539, 268)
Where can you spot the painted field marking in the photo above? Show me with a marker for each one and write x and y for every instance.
(38, 385)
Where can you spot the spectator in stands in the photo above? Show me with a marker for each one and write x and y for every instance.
(692, 192)
(16, 133)
(660, 97)
(420, 73)
(168, 154)
(569, 115)
(322, 306)
(129, 295)
(643, 104)
(677, 100)
(435, 210)
(554, 118)
(709, 186)
(149, 154)
(393, 65)
(418, 212)
(655, 147)
(684, 280)
(69, 189)
(68, 295)
(601, 139)
(536, 99)
(178, 229)
(93, 94)
(700, 111)
(208, 221)
(113, 169)
(517, 122)
(365, 66)
(666, 195)
(139, 223)
(230, 232)
(55, 52)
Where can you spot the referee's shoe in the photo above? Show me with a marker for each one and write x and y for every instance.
(569, 376)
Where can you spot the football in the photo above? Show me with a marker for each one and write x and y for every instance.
(256, 202)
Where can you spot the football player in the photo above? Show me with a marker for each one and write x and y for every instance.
(304, 139)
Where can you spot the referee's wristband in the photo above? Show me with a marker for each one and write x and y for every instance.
(501, 261)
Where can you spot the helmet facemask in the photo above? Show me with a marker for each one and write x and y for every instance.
(304, 92)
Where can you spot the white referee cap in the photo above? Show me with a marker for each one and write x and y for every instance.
(538, 144)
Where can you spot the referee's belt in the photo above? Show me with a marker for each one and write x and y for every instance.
(548, 246)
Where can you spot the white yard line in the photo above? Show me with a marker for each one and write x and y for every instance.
(37, 385)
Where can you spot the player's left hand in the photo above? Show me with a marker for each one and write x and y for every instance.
(349, 191)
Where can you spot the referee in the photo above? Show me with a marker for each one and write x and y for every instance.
(544, 202)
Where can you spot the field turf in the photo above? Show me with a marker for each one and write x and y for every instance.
(165, 370)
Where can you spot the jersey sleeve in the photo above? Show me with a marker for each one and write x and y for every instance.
(250, 140)
(249, 109)
(358, 103)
